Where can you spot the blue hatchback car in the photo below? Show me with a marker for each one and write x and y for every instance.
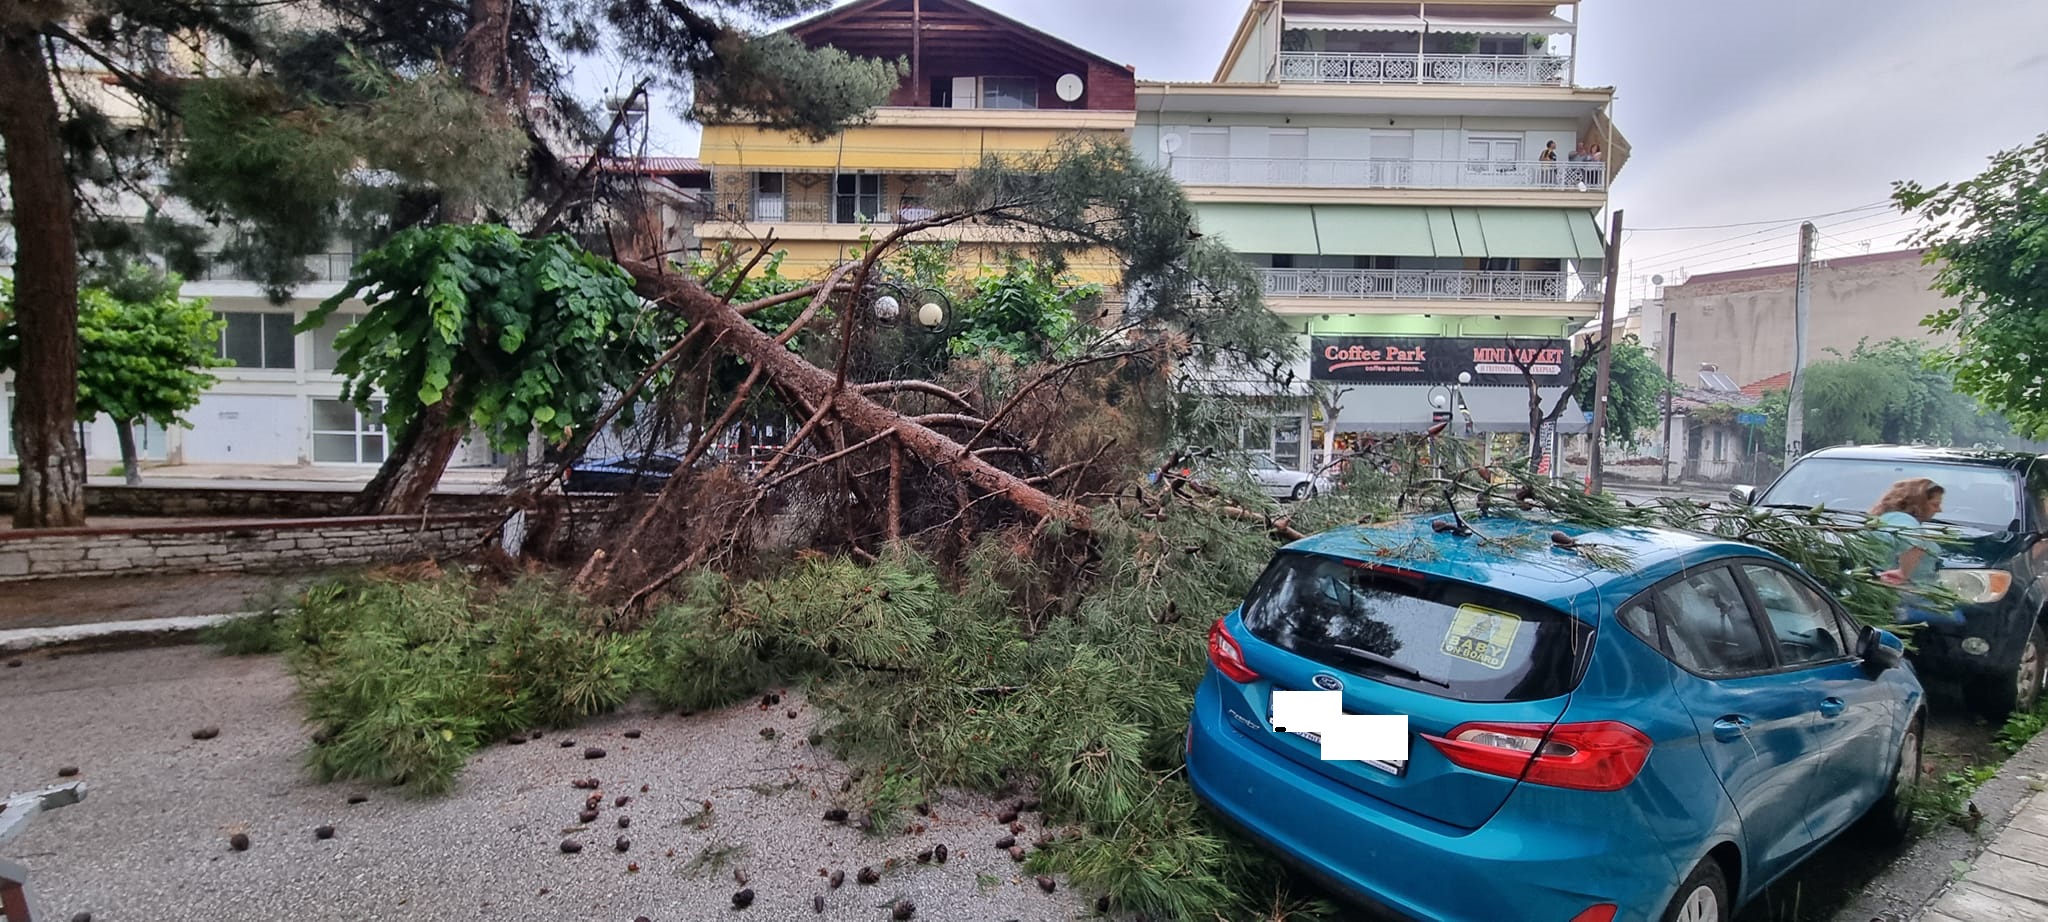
(1656, 731)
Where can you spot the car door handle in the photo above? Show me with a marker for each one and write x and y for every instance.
(1731, 728)
(1833, 707)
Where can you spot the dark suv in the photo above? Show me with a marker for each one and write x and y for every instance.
(1997, 504)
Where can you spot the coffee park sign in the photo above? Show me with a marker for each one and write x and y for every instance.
(1439, 360)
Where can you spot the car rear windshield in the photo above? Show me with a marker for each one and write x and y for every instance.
(1975, 495)
(1443, 637)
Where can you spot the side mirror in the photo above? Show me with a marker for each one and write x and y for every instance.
(1743, 495)
(1881, 650)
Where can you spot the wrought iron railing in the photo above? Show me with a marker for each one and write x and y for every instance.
(1481, 69)
(1427, 284)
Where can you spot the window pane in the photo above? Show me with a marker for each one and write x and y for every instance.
(242, 343)
(334, 449)
(277, 341)
(324, 354)
(1709, 625)
(1467, 642)
(373, 449)
(333, 416)
(1009, 93)
(1802, 623)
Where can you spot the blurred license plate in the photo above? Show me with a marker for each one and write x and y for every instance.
(1390, 767)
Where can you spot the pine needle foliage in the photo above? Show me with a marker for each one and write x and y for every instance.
(405, 680)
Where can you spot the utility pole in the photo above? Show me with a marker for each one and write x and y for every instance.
(1795, 404)
(1600, 382)
(1670, 380)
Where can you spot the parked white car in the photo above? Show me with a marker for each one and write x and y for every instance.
(1263, 473)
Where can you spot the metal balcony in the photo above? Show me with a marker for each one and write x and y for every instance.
(1418, 284)
(1390, 174)
(1452, 69)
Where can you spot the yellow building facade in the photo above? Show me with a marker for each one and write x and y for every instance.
(978, 85)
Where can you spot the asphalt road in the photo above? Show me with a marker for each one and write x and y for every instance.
(151, 840)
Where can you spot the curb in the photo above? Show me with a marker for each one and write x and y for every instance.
(1917, 878)
(113, 635)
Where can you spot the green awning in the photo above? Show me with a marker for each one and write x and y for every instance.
(1539, 233)
(1379, 230)
(1251, 228)
(1471, 238)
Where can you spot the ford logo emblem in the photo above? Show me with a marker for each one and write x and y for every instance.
(1327, 682)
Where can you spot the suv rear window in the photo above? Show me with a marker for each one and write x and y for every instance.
(1443, 637)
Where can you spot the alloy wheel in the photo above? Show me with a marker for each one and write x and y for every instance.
(1907, 779)
(2030, 673)
(1702, 906)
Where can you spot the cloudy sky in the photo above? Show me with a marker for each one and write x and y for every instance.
(1755, 113)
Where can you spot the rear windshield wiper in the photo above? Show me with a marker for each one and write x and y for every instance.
(1390, 665)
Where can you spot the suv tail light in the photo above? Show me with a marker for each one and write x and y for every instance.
(1600, 756)
(1227, 655)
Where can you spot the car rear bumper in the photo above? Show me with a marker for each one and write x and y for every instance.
(1539, 871)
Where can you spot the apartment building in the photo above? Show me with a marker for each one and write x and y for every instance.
(1421, 185)
(979, 83)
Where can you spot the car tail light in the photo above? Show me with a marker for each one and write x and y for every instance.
(1603, 912)
(1599, 756)
(1227, 655)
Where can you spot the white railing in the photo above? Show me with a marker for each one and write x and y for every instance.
(1388, 174)
(1486, 69)
(1371, 284)
(832, 209)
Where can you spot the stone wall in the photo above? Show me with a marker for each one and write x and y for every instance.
(268, 546)
(180, 500)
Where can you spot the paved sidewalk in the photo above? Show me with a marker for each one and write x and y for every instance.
(2009, 881)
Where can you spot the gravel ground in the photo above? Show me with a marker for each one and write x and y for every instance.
(152, 839)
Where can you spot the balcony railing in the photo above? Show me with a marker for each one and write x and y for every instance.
(1389, 174)
(1425, 284)
(1481, 69)
(834, 209)
(320, 267)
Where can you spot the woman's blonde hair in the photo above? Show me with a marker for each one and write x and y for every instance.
(1914, 497)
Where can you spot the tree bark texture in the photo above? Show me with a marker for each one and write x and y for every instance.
(52, 486)
(131, 466)
(415, 464)
(860, 415)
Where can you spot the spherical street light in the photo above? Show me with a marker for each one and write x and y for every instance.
(1439, 401)
(931, 316)
(1464, 377)
(888, 309)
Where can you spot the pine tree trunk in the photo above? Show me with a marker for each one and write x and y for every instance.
(414, 465)
(862, 416)
(52, 486)
(131, 466)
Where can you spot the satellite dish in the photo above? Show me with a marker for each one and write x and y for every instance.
(1657, 280)
(1170, 143)
(1069, 87)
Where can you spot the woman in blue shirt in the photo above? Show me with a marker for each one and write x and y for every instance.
(1906, 507)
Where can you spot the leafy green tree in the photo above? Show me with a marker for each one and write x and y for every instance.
(300, 125)
(1892, 392)
(143, 354)
(1989, 235)
(477, 326)
(1027, 311)
(1635, 391)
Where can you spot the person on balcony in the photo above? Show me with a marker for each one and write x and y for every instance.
(1549, 158)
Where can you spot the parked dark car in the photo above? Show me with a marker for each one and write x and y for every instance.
(1996, 503)
(621, 473)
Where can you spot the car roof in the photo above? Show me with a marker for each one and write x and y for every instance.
(1518, 556)
(1985, 457)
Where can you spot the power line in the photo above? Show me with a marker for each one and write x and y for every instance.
(1649, 230)
(1742, 247)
